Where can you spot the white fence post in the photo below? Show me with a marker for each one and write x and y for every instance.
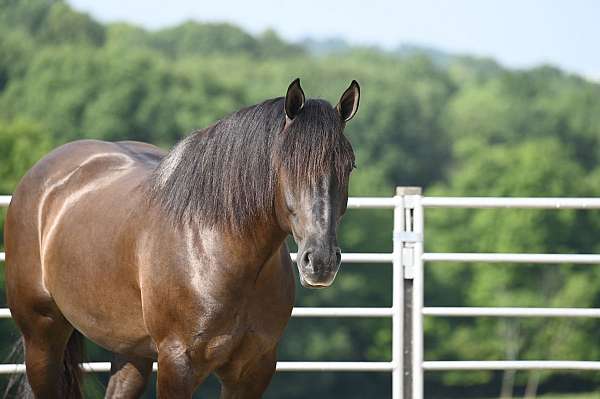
(418, 295)
(410, 237)
(398, 385)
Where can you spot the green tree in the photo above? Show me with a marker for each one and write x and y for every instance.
(457, 125)
(527, 169)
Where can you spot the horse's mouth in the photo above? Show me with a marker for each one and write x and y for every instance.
(315, 286)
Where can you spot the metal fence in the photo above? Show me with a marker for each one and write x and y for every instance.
(407, 311)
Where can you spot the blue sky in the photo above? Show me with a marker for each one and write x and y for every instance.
(517, 33)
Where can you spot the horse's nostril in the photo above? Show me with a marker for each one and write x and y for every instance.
(338, 256)
(306, 258)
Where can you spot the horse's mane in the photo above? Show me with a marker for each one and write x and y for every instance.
(225, 176)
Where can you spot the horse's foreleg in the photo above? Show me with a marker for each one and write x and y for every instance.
(177, 377)
(129, 376)
(250, 382)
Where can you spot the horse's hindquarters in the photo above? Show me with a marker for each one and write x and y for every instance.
(70, 243)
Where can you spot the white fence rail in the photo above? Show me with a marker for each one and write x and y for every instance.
(407, 310)
(512, 365)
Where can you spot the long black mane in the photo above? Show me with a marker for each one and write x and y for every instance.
(225, 176)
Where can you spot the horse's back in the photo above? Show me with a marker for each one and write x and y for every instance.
(70, 172)
(63, 228)
(81, 162)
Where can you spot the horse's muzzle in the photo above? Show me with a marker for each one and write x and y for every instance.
(318, 266)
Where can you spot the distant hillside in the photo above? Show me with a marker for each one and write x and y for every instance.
(338, 45)
(53, 22)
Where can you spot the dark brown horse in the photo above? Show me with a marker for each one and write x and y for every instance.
(178, 257)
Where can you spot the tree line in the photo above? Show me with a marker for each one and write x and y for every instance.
(456, 125)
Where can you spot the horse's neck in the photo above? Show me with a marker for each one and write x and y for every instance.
(248, 249)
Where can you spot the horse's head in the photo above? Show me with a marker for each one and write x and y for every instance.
(314, 161)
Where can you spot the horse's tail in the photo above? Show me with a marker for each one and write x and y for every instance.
(72, 377)
(73, 373)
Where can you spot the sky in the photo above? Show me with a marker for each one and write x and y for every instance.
(517, 33)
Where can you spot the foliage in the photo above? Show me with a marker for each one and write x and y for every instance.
(455, 125)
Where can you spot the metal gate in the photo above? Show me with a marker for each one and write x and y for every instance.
(407, 310)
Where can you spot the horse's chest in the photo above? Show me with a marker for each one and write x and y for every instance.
(223, 346)
(237, 344)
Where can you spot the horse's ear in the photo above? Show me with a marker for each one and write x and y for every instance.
(348, 104)
(294, 99)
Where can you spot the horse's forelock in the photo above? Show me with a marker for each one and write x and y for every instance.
(314, 145)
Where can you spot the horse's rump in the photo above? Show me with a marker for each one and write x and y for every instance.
(79, 204)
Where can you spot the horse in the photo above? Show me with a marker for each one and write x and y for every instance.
(178, 257)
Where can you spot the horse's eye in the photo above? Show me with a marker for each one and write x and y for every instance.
(353, 165)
